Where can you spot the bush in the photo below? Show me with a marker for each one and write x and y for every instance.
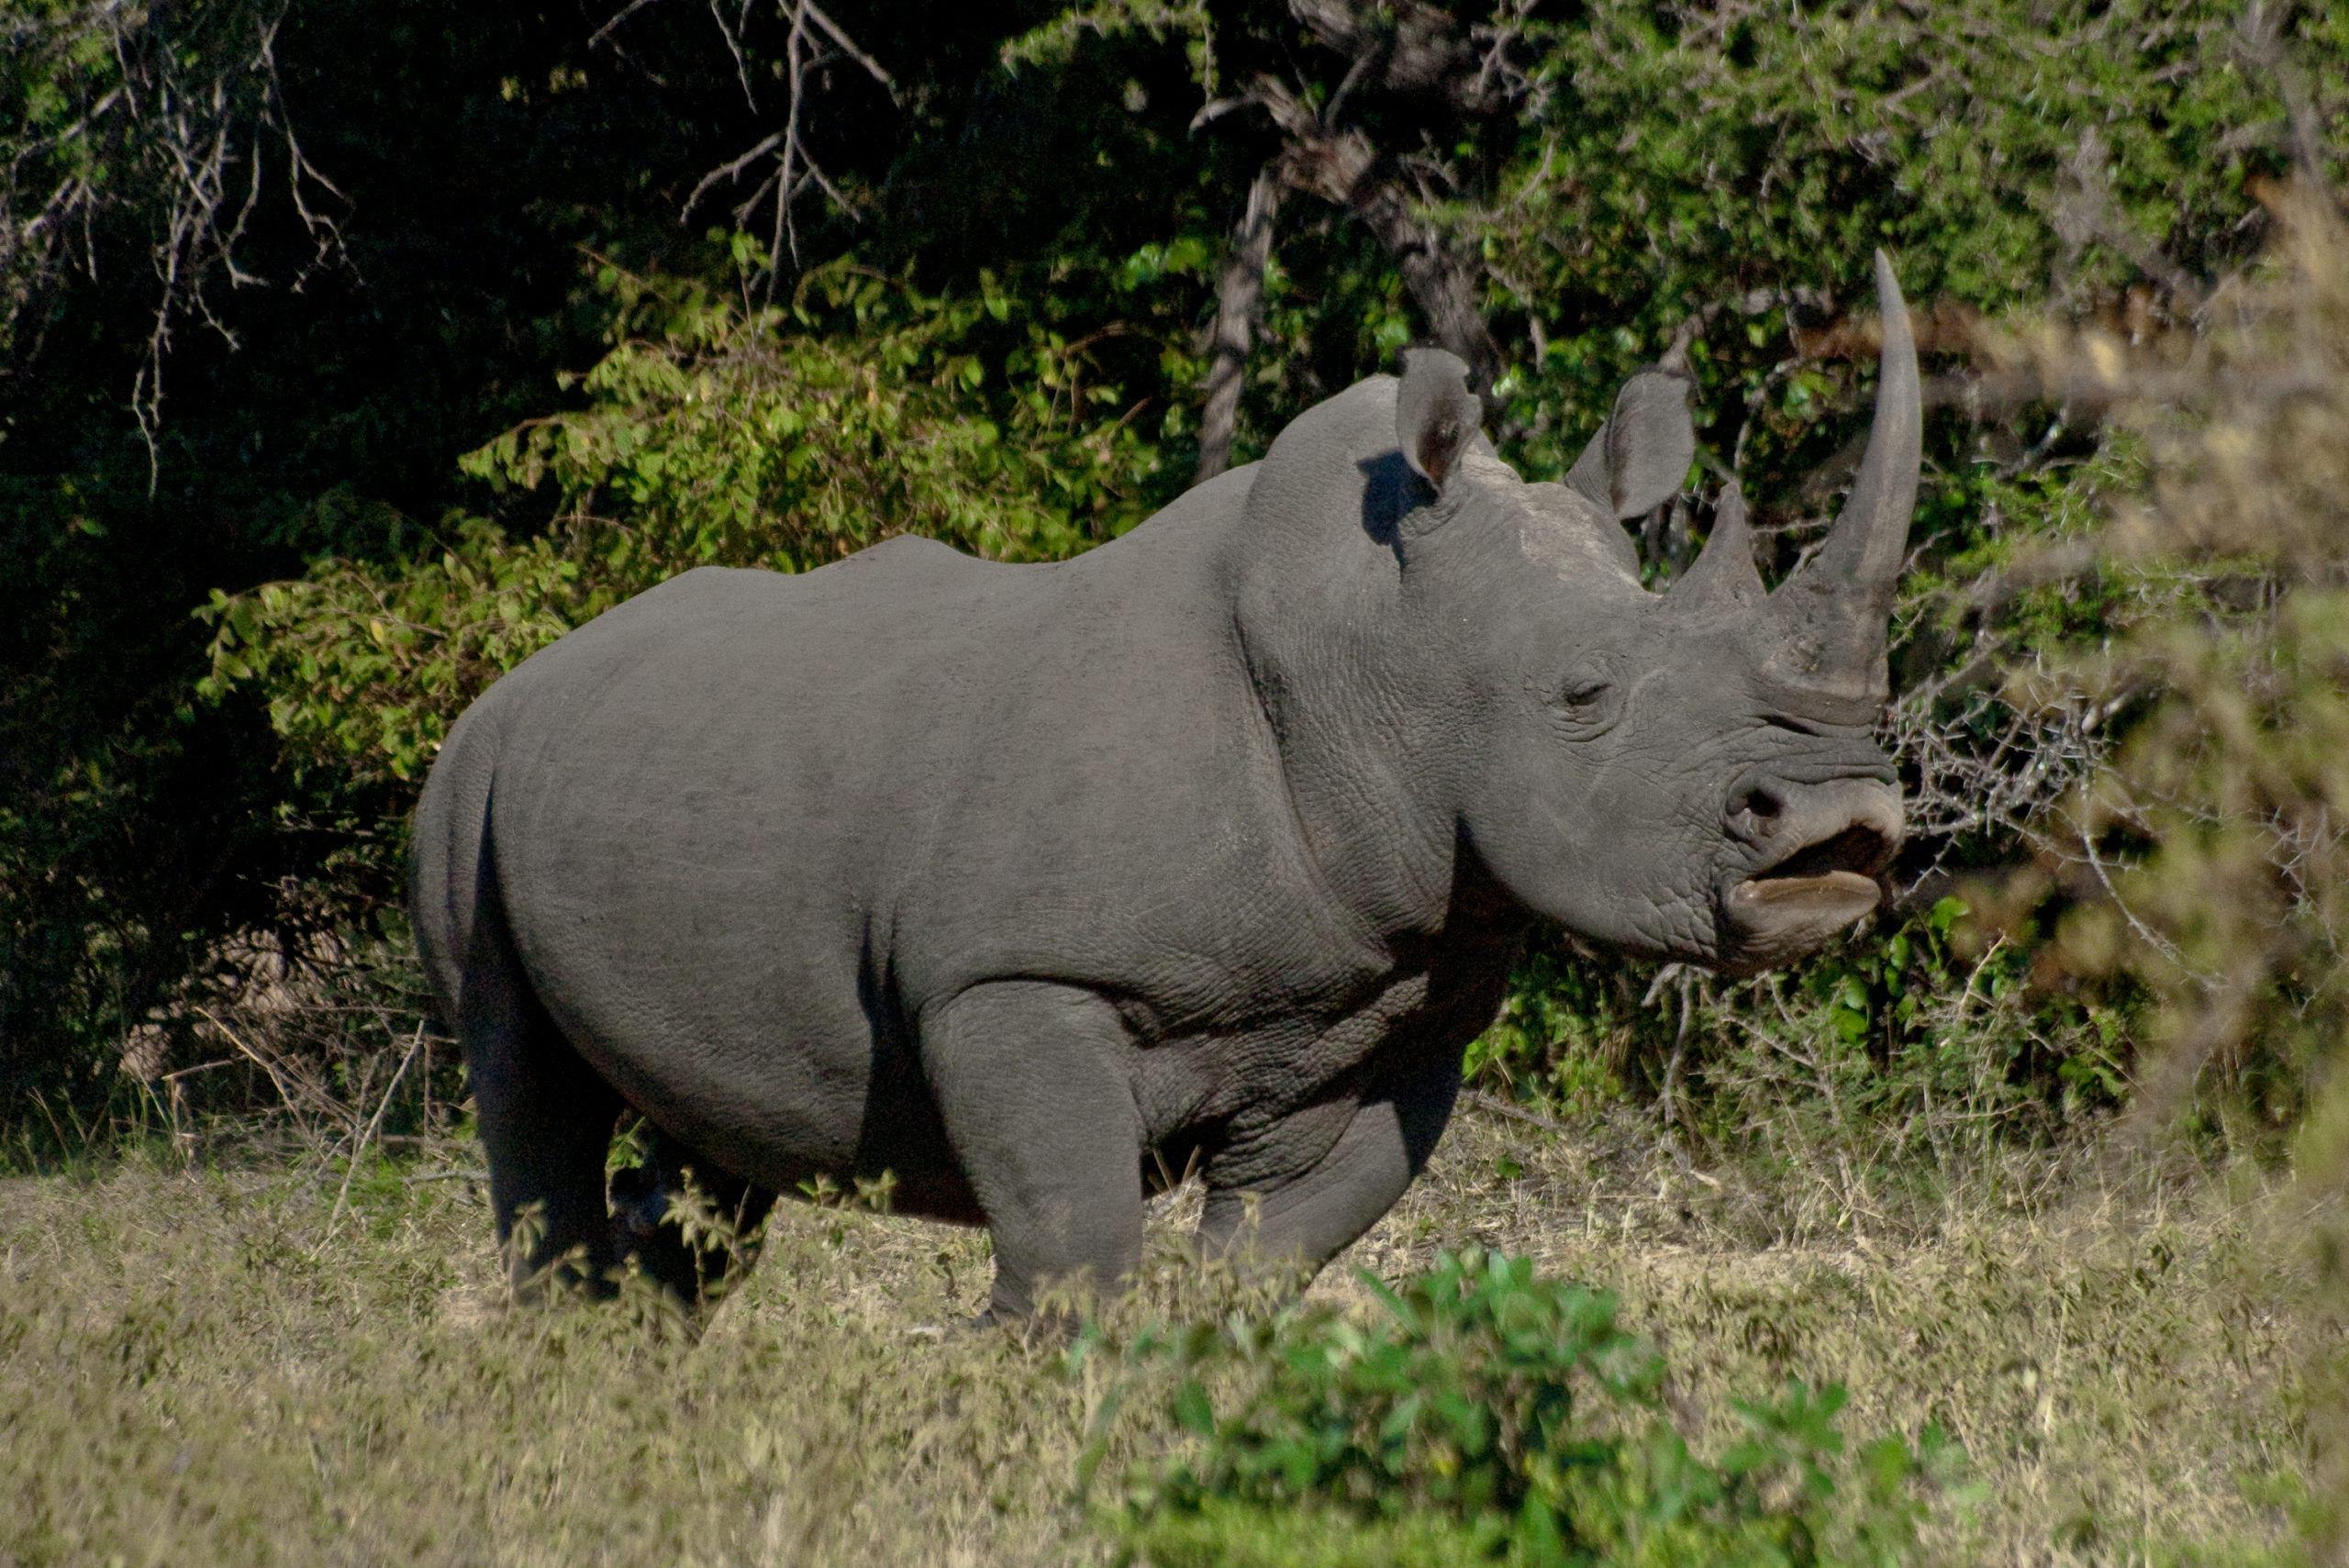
(2213, 846)
(1488, 1412)
(1904, 1067)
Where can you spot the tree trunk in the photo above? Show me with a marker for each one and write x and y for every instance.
(1239, 309)
(1445, 291)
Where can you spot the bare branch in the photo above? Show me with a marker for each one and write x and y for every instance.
(179, 115)
(622, 15)
(732, 34)
(848, 46)
(812, 42)
(729, 171)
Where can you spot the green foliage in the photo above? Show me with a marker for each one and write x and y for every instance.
(786, 439)
(1709, 168)
(713, 435)
(1485, 1412)
(1055, 42)
(1564, 1036)
(1912, 1059)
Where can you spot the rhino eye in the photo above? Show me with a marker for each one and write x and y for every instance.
(1582, 703)
(1581, 693)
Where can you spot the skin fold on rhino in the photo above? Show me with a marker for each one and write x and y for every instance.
(1212, 845)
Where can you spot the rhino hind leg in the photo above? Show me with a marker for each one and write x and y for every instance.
(643, 1231)
(1310, 1197)
(545, 1116)
(1031, 1085)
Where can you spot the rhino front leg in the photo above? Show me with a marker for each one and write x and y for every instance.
(1314, 1193)
(1034, 1092)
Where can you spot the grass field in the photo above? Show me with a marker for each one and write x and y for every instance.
(192, 1370)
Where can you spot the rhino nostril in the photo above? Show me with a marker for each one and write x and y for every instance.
(1759, 804)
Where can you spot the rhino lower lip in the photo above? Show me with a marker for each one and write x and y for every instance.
(1776, 919)
(1826, 884)
(1843, 895)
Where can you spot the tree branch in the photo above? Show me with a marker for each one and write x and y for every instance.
(1411, 50)
(169, 131)
(813, 41)
(1444, 289)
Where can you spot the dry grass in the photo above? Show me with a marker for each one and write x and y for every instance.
(188, 1376)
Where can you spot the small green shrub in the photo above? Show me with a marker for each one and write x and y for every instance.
(1488, 1414)
(1565, 1032)
(1886, 1073)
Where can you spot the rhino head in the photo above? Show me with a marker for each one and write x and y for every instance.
(1688, 773)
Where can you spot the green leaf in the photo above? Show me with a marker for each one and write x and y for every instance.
(1192, 1409)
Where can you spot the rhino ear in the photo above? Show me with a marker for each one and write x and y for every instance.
(1640, 456)
(1436, 416)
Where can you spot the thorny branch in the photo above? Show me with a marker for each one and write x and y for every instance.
(1974, 766)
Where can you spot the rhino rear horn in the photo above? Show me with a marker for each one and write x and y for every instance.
(1640, 456)
(1436, 416)
(1832, 612)
(1724, 573)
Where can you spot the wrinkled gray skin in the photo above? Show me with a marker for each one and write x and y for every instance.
(1214, 843)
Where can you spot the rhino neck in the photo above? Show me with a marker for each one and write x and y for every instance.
(1319, 609)
(1383, 846)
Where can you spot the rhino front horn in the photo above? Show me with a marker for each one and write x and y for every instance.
(1832, 614)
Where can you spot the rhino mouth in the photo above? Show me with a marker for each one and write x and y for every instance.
(1795, 906)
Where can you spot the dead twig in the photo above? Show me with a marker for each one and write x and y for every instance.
(358, 1150)
(258, 1059)
(1670, 1097)
(1499, 1106)
(812, 42)
(187, 131)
